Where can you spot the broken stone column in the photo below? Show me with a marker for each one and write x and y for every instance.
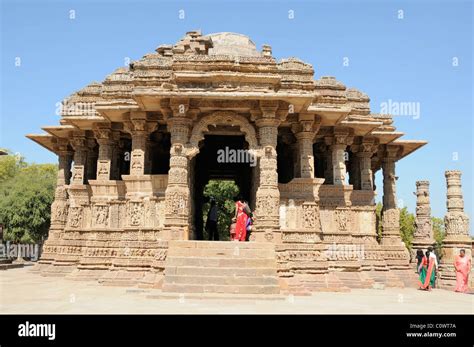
(456, 224)
(423, 236)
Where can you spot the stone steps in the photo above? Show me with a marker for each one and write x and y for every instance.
(222, 261)
(222, 280)
(225, 289)
(221, 267)
(220, 271)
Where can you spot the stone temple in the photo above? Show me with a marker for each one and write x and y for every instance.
(136, 150)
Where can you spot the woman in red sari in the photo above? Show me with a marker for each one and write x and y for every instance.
(462, 264)
(241, 220)
(427, 272)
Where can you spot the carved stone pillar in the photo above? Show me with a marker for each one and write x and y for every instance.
(305, 131)
(117, 154)
(92, 156)
(59, 206)
(104, 161)
(457, 229)
(364, 155)
(139, 145)
(423, 236)
(78, 142)
(268, 195)
(177, 194)
(395, 252)
(328, 169)
(338, 144)
(354, 168)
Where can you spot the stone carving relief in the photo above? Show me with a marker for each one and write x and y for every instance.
(75, 217)
(101, 215)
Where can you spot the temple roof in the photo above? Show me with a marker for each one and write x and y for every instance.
(221, 71)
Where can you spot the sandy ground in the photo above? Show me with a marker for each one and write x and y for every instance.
(24, 292)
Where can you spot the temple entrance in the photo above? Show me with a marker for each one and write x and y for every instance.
(221, 170)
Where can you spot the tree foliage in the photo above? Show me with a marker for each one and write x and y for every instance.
(407, 227)
(10, 165)
(223, 192)
(25, 200)
(438, 233)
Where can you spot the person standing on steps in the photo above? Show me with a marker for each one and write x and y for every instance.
(241, 219)
(211, 222)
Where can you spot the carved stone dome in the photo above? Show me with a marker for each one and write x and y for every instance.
(233, 44)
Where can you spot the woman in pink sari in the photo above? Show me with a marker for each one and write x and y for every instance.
(241, 220)
(462, 264)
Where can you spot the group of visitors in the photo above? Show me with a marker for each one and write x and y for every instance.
(242, 221)
(427, 267)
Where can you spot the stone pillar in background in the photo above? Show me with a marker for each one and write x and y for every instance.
(268, 194)
(395, 251)
(137, 127)
(177, 194)
(328, 169)
(457, 230)
(423, 236)
(338, 145)
(104, 161)
(78, 143)
(59, 207)
(92, 156)
(365, 153)
(117, 155)
(354, 168)
(305, 131)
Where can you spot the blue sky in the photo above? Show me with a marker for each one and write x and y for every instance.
(407, 59)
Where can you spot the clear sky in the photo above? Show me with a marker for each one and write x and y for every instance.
(416, 52)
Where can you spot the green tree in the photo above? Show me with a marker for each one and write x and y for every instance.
(10, 165)
(223, 192)
(25, 202)
(407, 227)
(438, 233)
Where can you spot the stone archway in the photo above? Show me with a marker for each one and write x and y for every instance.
(222, 118)
(202, 142)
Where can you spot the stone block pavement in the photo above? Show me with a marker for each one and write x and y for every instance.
(24, 292)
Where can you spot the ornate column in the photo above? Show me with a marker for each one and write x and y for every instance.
(78, 143)
(338, 144)
(92, 156)
(423, 236)
(457, 229)
(137, 128)
(354, 168)
(328, 169)
(305, 131)
(104, 161)
(268, 195)
(366, 150)
(177, 194)
(395, 252)
(117, 154)
(59, 207)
